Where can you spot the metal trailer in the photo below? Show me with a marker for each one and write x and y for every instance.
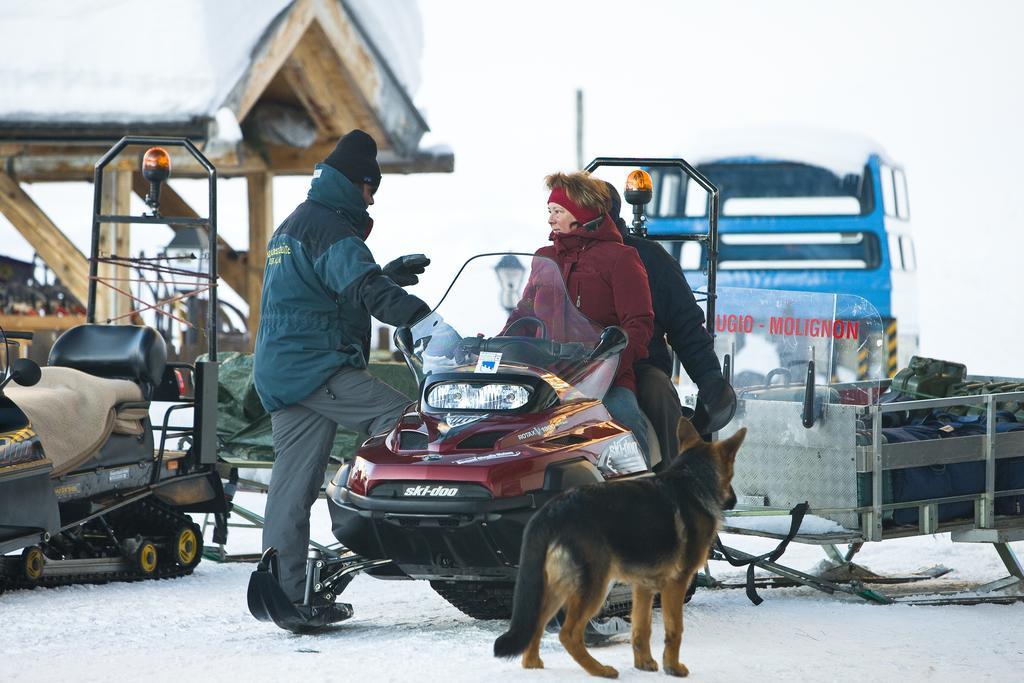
(842, 468)
(802, 444)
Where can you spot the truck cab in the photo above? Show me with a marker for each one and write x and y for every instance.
(816, 213)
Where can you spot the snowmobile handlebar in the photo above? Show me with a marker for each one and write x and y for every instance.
(544, 352)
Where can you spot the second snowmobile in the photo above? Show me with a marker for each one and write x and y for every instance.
(91, 490)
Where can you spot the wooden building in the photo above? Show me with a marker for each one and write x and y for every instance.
(263, 87)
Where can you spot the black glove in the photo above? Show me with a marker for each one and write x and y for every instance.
(405, 269)
(716, 405)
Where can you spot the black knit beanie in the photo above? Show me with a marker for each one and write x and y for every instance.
(355, 156)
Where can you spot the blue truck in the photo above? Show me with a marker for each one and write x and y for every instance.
(814, 212)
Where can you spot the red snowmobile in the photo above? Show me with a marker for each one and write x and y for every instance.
(504, 423)
(509, 416)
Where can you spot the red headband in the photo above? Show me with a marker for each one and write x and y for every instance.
(581, 213)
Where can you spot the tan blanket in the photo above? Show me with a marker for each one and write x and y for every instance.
(72, 412)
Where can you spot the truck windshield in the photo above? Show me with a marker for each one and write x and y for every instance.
(788, 251)
(757, 188)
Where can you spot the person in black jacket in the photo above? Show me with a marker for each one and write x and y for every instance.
(678, 318)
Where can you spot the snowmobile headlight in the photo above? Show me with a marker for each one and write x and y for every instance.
(466, 396)
(622, 455)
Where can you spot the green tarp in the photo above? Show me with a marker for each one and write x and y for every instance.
(243, 426)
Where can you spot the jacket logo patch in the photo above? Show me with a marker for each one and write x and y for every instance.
(274, 255)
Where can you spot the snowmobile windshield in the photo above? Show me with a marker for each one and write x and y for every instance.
(507, 315)
(777, 342)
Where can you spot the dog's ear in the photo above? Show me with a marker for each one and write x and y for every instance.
(688, 436)
(730, 446)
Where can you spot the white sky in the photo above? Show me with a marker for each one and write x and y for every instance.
(935, 83)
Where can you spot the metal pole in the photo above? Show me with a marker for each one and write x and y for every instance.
(1009, 559)
(97, 189)
(987, 517)
(875, 532)
(211, 314)
(712, 258)
(579, 128)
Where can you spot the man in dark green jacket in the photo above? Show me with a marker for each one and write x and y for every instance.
(321, 285)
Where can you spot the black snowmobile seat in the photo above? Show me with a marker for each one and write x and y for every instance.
(133, 352)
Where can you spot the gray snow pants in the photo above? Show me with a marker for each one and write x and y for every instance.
(303, 437)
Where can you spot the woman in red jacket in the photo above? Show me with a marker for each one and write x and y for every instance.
(604, 279)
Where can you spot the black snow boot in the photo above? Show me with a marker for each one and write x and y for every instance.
(316, 617)
(268, 602)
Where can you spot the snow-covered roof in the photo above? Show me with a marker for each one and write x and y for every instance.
(396, 28)
(839, 151)
(131, 61)
(124, 61)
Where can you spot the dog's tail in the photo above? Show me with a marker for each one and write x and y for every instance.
(529, 593)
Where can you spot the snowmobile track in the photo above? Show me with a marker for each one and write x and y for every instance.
(147, 519)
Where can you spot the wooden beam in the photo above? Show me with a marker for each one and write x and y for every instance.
(230, 262)
(71, 163)
(60, 254)
(380, 94)
(295, 80)
(327, 90)
(34, 163)
(266, 65)
(115, 239)
(31, 162)
(40, 323)
(362, 66)
(261, 226)
(297, 161)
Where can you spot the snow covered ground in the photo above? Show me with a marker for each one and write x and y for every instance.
(198, 628)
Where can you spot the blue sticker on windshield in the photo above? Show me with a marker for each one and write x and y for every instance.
(488, 362)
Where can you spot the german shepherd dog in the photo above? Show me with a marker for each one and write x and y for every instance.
(653, 533)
